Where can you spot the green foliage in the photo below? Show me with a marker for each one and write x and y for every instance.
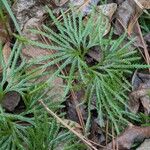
(104, 81)
(8, 8)
(145, 23)
(76, 146)
(73, 39)
(38, 132)
(12, 133)
(32, 128)
(44, 134)
(145, 119)
(36, 94)
(14, 76)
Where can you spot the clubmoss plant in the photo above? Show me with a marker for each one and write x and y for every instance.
(14, 75)
(72, 39)
(12, 134)
(31, 128)
(45, 134)
(6, 5)
(36, 132)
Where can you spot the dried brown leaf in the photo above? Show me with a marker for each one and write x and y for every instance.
(108, 9)
(140, 94)
(34, 52)
(128, 137)
(127, 20)
(4, 36)
(6, 52)
(124, 15)
(11, 100)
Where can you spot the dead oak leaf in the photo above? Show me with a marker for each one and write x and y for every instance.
(108, 9)
(6, 52)
(4, 36)
(30, 52)
(11, 100)
(128, 137)
(140, 93)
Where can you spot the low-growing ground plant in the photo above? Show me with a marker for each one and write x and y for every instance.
(105, 79)
(29, 128)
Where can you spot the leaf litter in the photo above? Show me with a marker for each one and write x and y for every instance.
(123, 16)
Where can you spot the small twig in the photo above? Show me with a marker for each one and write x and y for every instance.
(107, 123)
(81, 137)
(98, 144)
(144, 46)
(113, 139)
(139, 4)
(133, 22)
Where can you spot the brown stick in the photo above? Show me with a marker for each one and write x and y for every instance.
(81, 137)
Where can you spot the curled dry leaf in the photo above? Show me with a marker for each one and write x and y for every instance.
(4, 33)
(30, 15)
(124, 15)
(108, 9)
(128, 137)
(96, 134)
(6, 53)
(11, 100)
(126, 20)
(20, 8)
(95, 53)
(140, 94)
